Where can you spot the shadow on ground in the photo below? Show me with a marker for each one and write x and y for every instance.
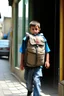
(49, 88)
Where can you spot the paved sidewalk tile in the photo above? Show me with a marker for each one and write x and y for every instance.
(10, 86)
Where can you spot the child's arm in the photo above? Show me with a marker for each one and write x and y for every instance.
(22, 62)
(47, 64)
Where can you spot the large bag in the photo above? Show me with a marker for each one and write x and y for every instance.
(35, 51)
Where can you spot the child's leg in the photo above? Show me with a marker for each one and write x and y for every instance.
(29, 80)
(37, 82)
(37, 86)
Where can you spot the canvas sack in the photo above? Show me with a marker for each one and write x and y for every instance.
(35, 51)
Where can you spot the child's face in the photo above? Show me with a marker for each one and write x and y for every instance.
(34, 29)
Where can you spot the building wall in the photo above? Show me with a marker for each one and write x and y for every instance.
(1, 33)
(13, 56)
(6, 24)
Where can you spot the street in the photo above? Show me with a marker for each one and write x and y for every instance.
(4, 65)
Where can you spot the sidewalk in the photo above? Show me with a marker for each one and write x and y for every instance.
(10, 85)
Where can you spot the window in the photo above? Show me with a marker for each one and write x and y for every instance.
(20, 22)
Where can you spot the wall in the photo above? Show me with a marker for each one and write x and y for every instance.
(14, 69)
(6, 24)
(1, 33)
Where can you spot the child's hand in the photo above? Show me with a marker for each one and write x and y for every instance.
(22, 62)
(21, 67)
(47, 64)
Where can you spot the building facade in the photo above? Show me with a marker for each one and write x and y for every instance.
(52, 23)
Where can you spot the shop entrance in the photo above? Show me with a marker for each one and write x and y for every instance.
(47, 13)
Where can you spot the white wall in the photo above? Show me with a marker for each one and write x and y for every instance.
(7, 24)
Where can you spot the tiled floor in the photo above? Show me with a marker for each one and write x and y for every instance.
(10, 86)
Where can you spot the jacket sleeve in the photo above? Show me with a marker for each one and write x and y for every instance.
(47, 49)
(23, 46)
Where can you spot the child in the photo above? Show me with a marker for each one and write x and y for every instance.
(32, 74)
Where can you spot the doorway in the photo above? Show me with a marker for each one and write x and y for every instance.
(47, 13)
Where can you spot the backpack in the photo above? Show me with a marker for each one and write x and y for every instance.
(35, 51)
